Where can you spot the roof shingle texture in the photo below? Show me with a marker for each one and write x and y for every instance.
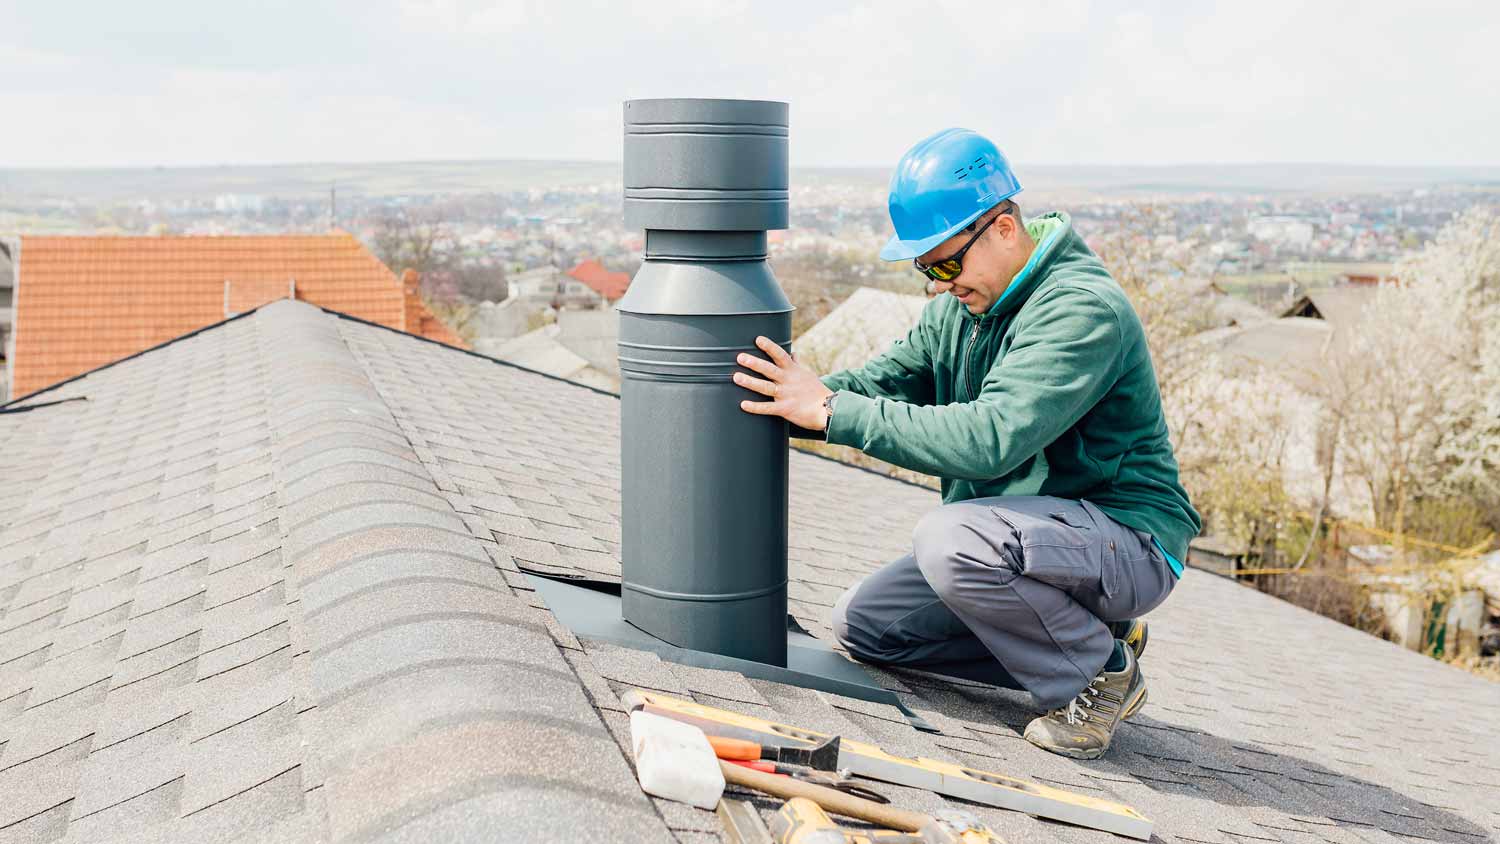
(262, 584)
(82, 302)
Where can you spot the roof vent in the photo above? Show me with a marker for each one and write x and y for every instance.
(704, 486)
(703, 541)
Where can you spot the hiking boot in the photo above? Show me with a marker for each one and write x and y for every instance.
(1131, 632)
(1083, 727)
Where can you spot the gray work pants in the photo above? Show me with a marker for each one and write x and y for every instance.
(1013, 591)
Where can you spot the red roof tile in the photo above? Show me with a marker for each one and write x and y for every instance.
(82, 302)
(607, 284)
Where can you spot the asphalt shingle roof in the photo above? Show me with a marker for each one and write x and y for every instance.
(262, 584)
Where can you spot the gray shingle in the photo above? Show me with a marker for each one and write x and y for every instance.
(106, 781)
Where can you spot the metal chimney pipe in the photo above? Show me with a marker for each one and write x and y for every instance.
(704, 484)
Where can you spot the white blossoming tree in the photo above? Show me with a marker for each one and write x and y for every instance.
(1415, 386)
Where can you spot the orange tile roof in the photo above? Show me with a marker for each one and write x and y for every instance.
(607, 284)
(82, 302)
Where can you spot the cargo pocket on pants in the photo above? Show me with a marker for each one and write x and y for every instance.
(1057, 549)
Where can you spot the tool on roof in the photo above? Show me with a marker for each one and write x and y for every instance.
(838, 780)
(742, 822)
(824, 755)
(673, 761)
(802, 821)
(867, 760)
(830, 799)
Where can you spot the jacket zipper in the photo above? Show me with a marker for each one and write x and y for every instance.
(965, 365)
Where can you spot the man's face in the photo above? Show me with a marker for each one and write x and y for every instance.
(988, 266)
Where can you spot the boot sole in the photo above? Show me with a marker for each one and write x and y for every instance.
(1073, 754)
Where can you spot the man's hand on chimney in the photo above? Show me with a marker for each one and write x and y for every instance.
(795, 391)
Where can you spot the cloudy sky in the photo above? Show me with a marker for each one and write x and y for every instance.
(1059, 82)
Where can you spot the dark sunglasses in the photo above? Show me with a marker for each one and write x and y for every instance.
(949, 268)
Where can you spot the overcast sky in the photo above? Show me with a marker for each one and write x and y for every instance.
(1057, 82)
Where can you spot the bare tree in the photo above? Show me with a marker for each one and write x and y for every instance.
(402, 241)
(421, 241)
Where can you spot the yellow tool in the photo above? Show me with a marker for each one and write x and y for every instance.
(807, 823)
(801, 821)
(867, 760)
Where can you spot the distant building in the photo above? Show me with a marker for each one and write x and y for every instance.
(500, 320)
(1340, 307)
(1292, 346)
(593, 336)
(549, 286)
(239, 203)
(1279, 229)
(610, 285)
(1365, 279)
(1220, 307)
(536, 283)
(861, 327)
(582, 346)
(82, 302)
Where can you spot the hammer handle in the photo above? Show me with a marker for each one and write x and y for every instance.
(833, 800)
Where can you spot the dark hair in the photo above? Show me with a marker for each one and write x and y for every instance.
(1005, 207)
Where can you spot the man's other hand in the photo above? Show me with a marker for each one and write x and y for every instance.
(796, 393)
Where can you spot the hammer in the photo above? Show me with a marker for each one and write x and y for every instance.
(674, 761)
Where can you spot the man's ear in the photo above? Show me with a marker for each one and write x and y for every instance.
(1008, 225)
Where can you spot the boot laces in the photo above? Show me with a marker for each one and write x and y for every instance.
(1076, 712)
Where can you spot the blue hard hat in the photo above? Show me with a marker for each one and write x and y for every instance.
(941, 185)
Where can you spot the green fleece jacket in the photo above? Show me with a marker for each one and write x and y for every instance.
(1050, 392)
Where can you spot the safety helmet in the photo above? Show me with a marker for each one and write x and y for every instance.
(941, 185)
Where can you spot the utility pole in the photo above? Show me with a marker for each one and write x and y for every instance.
(333, 206)
(557, 293)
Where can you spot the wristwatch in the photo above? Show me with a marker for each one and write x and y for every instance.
(828, 408)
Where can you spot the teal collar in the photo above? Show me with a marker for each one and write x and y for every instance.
(1052, 228)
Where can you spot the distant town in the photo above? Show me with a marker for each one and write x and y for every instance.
(507, 219)
(522, 260)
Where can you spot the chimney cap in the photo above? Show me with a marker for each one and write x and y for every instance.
(706, 165)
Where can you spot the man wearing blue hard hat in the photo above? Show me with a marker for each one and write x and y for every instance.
(1028, 389)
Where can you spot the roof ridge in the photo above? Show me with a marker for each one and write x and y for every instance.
(418, 649)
